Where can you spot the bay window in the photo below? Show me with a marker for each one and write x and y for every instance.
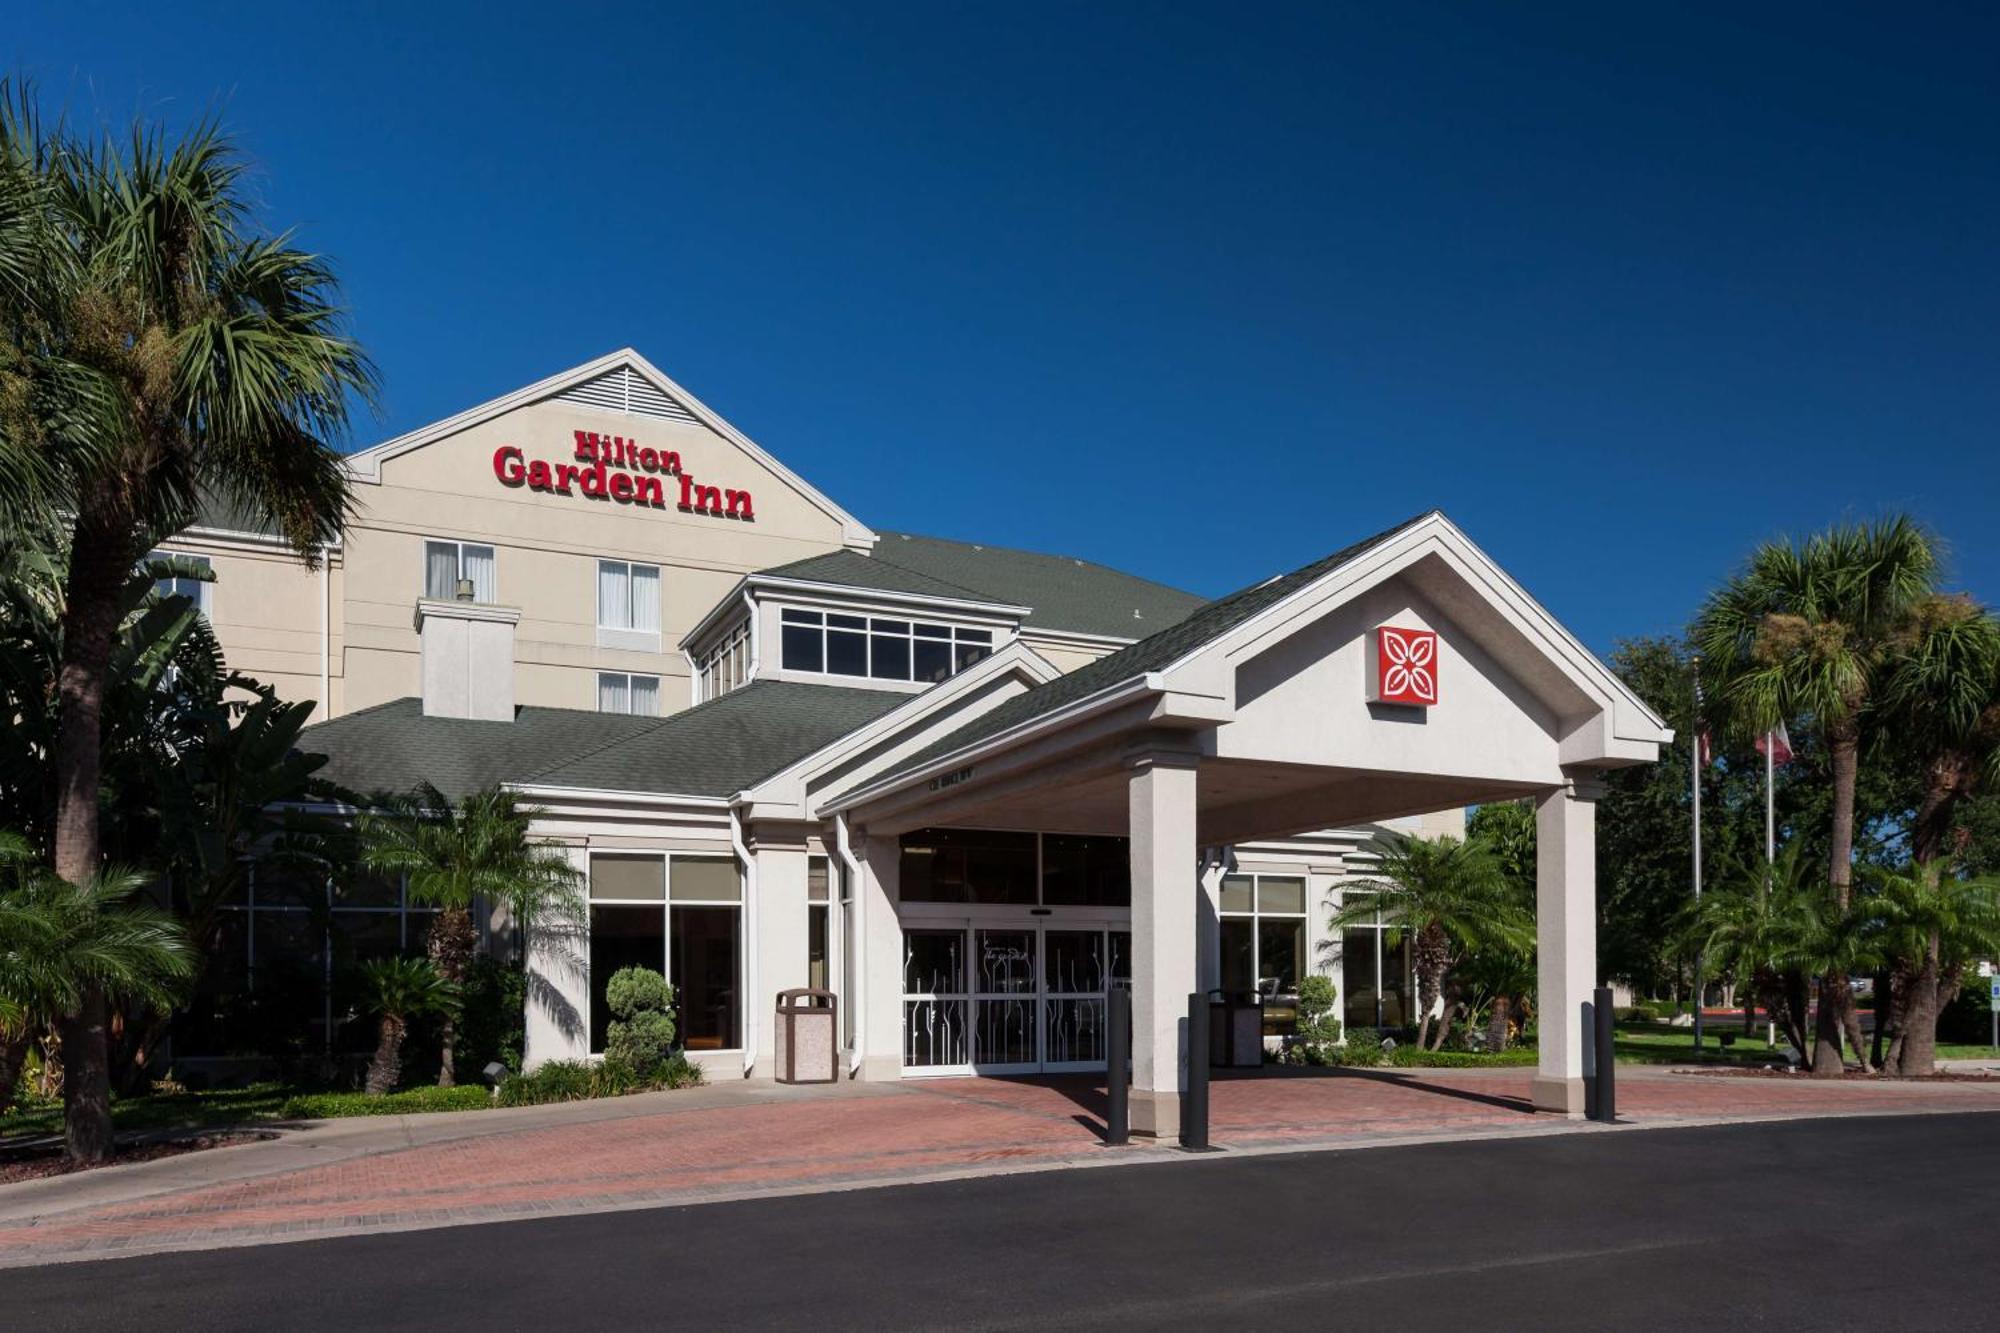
(876, 647)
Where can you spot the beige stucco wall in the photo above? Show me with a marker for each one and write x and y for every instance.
(266, 606)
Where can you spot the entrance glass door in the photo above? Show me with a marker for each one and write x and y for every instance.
(1009, 999)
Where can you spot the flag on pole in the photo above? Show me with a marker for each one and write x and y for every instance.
(1707, 748)
(1777, 744)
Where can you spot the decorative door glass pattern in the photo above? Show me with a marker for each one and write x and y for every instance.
(1073, 981)
(1004, 1005)
(934, 999)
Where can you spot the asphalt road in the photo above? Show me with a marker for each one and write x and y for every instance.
(1868, 1223)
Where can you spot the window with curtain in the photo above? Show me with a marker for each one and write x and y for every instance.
(628, 596)
(445, 563)
(195, 590)
(621, 692)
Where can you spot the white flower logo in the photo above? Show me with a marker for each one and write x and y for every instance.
(1409, 670)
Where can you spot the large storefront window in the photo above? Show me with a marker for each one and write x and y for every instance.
(989, 867)
(878, 648)
(1375, 972)
(1264, 943)
(681, 916)
(282, 969)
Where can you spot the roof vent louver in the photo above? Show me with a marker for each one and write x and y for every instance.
(622, 391)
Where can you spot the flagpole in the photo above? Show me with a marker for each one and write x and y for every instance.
(1770, 797)
(1694, 782)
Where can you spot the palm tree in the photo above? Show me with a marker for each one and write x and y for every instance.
(1449, 896)
(1931, 927)
(158, 350)
(455, 857)
(1943, 700)
(60, 942)
(1752, 924)
(1809, 630)
(397, 990)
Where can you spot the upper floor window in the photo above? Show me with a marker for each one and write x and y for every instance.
(618, 692)
(628, 596)
(445, 563)
(195, 590)
(878, 648)
(727, 665)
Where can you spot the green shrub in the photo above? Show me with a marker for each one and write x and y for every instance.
(1362, 1049)
(583, 1080)
(1318, 1030)
(334, 1105)
(1409, 1057)
(641, 1034)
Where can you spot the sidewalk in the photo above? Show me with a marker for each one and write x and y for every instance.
(749, 1140)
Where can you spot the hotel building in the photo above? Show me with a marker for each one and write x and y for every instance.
(965, 788)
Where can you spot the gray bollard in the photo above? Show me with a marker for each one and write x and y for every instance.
(1602, 1015)
(1194, 1107)
(1117, 1058)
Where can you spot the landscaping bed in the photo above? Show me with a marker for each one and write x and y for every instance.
(45, 1157)
(1848, 1076)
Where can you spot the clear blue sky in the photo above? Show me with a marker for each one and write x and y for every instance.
(1199, 292)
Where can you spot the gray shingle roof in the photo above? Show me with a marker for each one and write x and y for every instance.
(1063, 593)
(1163, 649)
(715, 749)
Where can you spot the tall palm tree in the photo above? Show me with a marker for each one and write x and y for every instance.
(60, 942)
(159, 349)
(1943, 699)
(1809, 630)
(454, 857)
(397, 990)
(1448, 897)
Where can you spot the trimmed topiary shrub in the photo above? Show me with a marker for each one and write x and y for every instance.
(1318, 1027)
(641, 1034)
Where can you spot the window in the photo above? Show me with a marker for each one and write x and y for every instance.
(618, 692)
(445, 563)
(727, 665)
(682, 917)
(197, 591)
(1374, 971)
(990, 866)
(818, 919)
(877, 648)
(628, 597)
(289, 946)
(1264, 943)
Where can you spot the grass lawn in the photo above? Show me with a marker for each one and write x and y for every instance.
(1658, 1044)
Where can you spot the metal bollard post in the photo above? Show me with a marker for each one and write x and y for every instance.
(1607, 1060)
(1194, 1107)
(1117, 1056)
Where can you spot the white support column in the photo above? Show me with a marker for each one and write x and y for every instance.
(558, 965)
(882, 1042)
(1566, 939)
(781, 932)
(1165, 925)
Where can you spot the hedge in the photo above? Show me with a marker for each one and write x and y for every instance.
(334, 1105)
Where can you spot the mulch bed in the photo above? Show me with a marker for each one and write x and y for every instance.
(1850, 1076)
(42, 1161)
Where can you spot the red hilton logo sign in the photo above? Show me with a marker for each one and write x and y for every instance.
(1405, 666)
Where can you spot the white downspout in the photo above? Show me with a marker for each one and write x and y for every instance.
(857, 889)
(325, 633)
(751, 939)
(755, 637)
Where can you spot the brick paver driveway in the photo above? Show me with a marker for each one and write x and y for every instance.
(681, 1148)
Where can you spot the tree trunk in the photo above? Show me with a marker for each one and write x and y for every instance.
(1926, 1004)
(386, 1069)
(14, 1049)
(87, 1132)
(99, 565)
(1827, 1028)
(1844, 749)
(1798, 999)
(1948, 777)
(1496, 1026)
(452, 941)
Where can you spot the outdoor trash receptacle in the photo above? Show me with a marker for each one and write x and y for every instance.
(807, 1036)
(1235, 1029)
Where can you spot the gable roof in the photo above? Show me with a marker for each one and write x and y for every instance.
(1153, 653)
(620, 381)
(1062, 593)
(712, 750)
